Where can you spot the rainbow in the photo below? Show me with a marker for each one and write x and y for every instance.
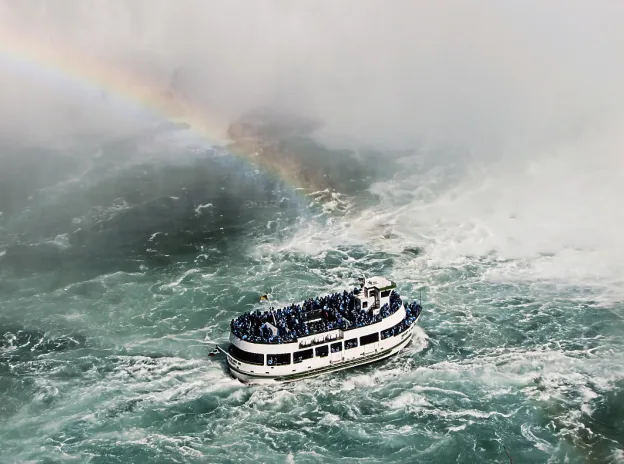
(72, 64)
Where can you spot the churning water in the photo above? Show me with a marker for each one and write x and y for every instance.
(120, 270)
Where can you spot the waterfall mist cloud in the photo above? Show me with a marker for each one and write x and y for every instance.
(529, 92)
(490, 76)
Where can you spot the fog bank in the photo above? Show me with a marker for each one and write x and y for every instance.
(488, 77)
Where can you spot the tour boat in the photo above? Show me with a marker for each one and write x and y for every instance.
(322, 334)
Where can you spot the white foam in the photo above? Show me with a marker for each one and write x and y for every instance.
(179, 280)
(551, 217)
(618, 456)
(547, 216)
(540, 444)
(155, 234)
(407, 398)
(330, 419)
(263, 398)
(61, 241)
(199, 209)
(459, 428)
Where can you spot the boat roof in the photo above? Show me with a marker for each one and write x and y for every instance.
(380, 283)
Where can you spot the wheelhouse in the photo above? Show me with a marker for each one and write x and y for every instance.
(375, 293)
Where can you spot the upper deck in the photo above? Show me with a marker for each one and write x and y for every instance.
(371, 303)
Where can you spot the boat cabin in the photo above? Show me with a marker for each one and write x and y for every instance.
(374, 293)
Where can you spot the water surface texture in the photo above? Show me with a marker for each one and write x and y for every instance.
(118, 277)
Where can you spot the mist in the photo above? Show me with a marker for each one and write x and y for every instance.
(487, 77)
(527, 96)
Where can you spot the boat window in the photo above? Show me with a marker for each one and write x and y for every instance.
(246, 356)
(400, 327)
(368, 339)
(322, 351)
(299, 356)
(278, 359)
(353, 343)
(392, 331)
(385, 293)
(336, 347)
(365, 305)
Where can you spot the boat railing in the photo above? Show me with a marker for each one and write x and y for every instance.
(320, 341)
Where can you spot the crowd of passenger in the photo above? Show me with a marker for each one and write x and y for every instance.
(412, 311)
(314, 316)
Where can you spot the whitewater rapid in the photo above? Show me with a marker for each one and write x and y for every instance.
(519, 347)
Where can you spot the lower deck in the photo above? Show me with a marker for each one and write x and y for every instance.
(314, 361)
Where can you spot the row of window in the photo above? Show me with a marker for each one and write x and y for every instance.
(392, 331)
(300, 356)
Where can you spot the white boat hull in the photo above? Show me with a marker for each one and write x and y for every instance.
(362, 359)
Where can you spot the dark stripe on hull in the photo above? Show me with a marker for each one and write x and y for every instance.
(363, 361)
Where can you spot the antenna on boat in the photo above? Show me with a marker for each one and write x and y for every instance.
(272, 313)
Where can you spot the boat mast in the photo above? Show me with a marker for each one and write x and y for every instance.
(271, 308)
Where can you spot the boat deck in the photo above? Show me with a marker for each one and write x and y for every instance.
(314, 316)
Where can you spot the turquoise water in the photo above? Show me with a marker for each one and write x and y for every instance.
(119, 273)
